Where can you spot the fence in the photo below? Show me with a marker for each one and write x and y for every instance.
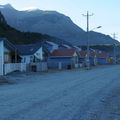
(11, 67)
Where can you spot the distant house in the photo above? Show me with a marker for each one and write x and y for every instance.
(8, 55)
(50, 46)
(93, 57)
(31, 53)
(66, 58)
(102, 57)
(83, 57)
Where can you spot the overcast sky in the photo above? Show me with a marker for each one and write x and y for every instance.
(106, 12)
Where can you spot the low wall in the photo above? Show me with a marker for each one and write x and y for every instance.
(11, 67)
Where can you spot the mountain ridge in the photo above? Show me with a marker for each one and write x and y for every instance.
(18, 37)
(52, 23)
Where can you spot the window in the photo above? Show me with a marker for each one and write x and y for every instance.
(38, 54)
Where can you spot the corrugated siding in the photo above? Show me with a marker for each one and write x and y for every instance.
(54, 62)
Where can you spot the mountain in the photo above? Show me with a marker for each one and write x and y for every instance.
(51, 23)
(18, 37)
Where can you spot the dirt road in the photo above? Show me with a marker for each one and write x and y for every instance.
(67, 95)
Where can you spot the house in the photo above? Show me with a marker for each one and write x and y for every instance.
(8, 57)
(63, 58)
(102, 57)
(34, 56)
(31, 53)
(83, 57)
(50, 46)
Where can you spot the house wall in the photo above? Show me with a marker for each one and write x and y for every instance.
(81, 60)
(1, 57)
(27, 59)
(30, 58)
(37, 67)
(39, 54)
(92, 60)
(7, 57)
(65, 61)
(102, 61)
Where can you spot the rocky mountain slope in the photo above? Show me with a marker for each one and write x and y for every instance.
(51, 23)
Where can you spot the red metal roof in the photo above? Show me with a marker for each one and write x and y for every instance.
(63, 53)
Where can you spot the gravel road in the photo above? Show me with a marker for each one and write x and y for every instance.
(67, 95)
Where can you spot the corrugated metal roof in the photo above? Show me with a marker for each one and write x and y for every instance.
(63, 53)
(28, 49)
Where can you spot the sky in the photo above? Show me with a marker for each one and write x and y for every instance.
(106, 12)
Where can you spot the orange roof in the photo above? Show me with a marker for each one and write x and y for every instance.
(63, 52)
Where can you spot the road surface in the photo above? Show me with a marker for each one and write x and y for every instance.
(68, 95)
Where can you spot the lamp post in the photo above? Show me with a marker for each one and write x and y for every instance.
(114, 52)
(96, 28)
(114, 48)
(88, 44)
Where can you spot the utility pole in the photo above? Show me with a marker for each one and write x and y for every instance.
(114, 35)
(114, 48)
(88, 44)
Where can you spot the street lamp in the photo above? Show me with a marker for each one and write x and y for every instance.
(114, 48)
(88, 47)
(88, 44)
(114, 53)
(96, 28)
